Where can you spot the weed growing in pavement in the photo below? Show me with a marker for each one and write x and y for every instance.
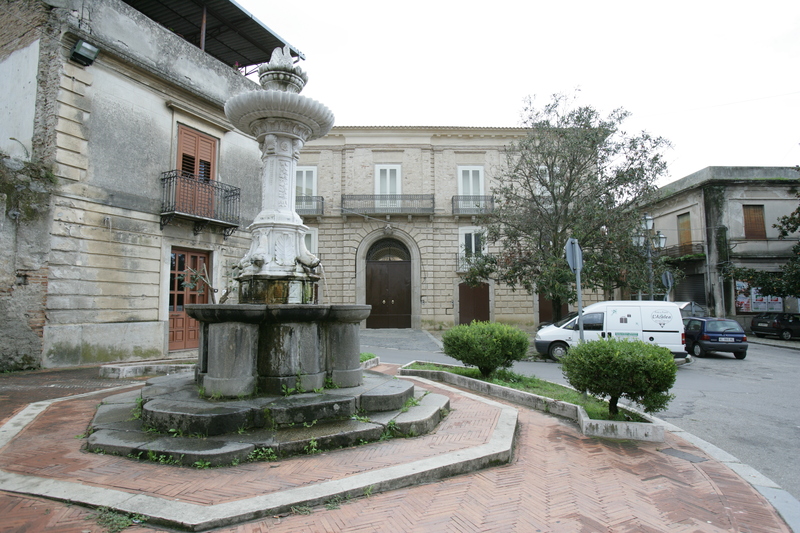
(202, 464)
(336, 501)
(301, 509)
(136, 412)
(368, 491)
(113, 522)
(311, 448)
(411, 402)
(262, 454)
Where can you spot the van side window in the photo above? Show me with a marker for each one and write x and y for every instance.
(592, 322)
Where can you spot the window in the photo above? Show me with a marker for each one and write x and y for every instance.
(754, 222)
(310, 240)
(684, 234)
(387, 182)
(591, 322)
(197, 154)
(387, 179)
(305, 187)
(470, 181)
(471, 243)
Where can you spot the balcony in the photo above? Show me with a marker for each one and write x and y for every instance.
(309, 205)
(472, 205)
(387, 204)
(680, 250)
(202, 201)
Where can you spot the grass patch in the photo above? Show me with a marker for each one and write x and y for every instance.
(596, 409)
(366, 356)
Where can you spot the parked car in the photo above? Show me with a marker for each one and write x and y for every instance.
(784, 325)
(707, 334)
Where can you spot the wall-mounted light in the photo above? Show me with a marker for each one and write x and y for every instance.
(84, 53)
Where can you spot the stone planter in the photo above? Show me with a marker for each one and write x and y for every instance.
(651, 432)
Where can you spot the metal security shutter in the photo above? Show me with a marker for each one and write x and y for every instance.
(691, 289)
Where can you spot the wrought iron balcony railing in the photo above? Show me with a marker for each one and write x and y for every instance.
(387, 204)
(472, 205)
(309, 205)
(205, 201)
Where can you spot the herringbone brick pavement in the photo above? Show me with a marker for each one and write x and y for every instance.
(558, 481)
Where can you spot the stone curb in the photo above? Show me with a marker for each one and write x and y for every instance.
(198, 517)
(652, 432)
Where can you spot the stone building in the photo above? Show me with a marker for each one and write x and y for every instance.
(392, 213)
(724, 215)
(126, 105)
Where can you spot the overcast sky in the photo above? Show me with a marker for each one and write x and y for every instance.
(720, 80)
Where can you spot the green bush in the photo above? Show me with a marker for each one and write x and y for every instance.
(486, 345)
(635, 370)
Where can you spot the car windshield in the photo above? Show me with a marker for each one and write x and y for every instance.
(724, 326)
(566, 319)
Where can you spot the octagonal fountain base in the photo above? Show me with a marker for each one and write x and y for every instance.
(172, 424)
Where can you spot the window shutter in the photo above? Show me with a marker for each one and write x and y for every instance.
(754, 222)
(196, 154)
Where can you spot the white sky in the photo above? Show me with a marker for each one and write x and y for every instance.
(719, 79)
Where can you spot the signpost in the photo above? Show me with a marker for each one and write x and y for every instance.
(575, 260)
(668, 280)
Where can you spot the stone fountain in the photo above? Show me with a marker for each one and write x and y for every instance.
(278, 337)
(275, 364)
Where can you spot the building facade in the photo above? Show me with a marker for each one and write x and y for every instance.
(154, 184)
(724, 216)
(394, 211)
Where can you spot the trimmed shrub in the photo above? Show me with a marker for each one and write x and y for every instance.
(641, 372)
(486, 345)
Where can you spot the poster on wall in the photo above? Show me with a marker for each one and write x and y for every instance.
(749, 300)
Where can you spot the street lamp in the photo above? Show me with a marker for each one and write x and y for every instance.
(649, 243)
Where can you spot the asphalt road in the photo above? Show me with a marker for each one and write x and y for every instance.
(750, 408)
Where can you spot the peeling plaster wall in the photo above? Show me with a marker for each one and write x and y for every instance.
(89, 283)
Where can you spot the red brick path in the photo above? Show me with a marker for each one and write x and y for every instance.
(559, 480)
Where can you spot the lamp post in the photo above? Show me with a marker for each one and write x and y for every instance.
(649, 243)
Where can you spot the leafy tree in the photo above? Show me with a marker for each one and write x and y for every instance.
(636, 370)
(575, 174)
(786, 282)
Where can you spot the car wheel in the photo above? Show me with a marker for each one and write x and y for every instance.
(786, 334)
(557, 350)
(698, 350)
(740, 355)
(760, 335)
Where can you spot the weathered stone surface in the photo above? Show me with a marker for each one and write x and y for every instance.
(195, 418)
(388, 396)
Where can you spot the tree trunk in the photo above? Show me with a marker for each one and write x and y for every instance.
(612, 406)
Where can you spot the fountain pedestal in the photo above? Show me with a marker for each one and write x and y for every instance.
(276, 348)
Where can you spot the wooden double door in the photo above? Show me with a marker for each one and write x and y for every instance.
(389, 294)
(185, 287)
(473, 303)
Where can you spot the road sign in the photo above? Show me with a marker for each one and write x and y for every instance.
(574, 255)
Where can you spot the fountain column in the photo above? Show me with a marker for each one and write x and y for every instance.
(278, 269)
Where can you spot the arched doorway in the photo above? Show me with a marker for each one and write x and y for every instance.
(388, 284)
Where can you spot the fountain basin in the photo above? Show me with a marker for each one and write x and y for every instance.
(277, 348)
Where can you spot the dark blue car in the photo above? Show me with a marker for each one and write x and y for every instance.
(715, 335)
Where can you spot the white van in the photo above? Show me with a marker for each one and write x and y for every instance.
(656, 322)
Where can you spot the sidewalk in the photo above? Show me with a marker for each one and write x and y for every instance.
(558, 480)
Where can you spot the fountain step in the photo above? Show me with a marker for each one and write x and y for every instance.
(115, 432)
(387, 396)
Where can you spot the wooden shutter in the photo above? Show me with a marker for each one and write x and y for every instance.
(196, 154)
(685, 234)
(754, 222)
